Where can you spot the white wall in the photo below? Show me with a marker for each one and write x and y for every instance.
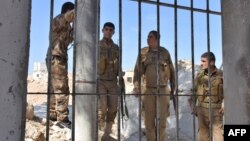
(14, 53)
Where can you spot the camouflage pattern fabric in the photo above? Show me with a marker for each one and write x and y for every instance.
(216, 98)
(57, 58)
(148, 71)
(108, 87)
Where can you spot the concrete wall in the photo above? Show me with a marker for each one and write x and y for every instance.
(14, 53)
(86, 56)
(236, 60)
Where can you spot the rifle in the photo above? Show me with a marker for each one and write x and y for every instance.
(124, 109)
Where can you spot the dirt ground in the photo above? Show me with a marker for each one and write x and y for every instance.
(37, 91)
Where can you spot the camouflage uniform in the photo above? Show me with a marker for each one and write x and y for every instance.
(202, 89)
(148, 72)
(62, 36)
(108, 72)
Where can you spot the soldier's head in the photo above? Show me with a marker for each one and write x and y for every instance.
(207, 58)
(67, 6)
(153, 37)
(108, 30)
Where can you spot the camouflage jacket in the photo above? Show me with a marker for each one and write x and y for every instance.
(202, 90)
(148, 68)
(62, 36)
(109, 60)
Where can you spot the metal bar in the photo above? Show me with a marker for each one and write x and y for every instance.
(158, 77)
(176, 68)
(139, 64)
(187, 94)
(193, 73)
(49, 69)
(120, 69)
(97, 71)
(74, 75)
(209, 72)
(180, 7)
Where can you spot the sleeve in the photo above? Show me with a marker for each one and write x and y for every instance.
(172, 73)
(58, 23)
(61, 20)
(193, 96)
(136, 73)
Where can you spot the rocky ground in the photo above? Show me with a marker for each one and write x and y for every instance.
(35, 125)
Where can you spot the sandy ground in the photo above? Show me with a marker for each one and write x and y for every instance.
(37, 91)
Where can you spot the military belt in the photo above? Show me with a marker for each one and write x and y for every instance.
(206, 105)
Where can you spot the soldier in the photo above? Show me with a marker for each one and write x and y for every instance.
(202, 92)
(148, 71)
(57, 58)
(108, 73)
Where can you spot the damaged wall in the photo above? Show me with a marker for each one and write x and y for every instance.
(14, 53)
(236, 60)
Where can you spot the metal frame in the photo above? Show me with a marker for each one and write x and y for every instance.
(158, 4)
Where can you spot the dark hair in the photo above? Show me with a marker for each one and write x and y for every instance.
(155, 33)
(209, 55)
(67, 6)
(109, 24)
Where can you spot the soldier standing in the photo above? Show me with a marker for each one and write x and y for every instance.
(57, 64)
(148, 68)
(202, 92)
(108, 73)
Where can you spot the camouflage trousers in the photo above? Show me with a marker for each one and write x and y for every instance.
(203, 124)
(59, 84)
(150, 112)
(107, 104)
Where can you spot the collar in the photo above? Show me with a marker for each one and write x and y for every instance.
(214, 72)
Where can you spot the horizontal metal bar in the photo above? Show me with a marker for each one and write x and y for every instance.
(33, 93)
(181, 7)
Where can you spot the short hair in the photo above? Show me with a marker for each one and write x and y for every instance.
(67, 6)
(209, 55)
(155, 33)
(109, 24)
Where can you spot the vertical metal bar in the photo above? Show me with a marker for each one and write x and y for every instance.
(120, 67)
(158, 78)
(139, 64)
(176, 68)
(193, 69)
(74, 75)
(97, 70)
(209, 72)
(49, 69)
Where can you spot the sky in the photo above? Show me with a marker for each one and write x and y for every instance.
(109, 13)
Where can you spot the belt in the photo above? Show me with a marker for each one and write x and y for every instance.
(206, 105)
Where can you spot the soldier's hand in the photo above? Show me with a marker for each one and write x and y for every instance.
(70, 15)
